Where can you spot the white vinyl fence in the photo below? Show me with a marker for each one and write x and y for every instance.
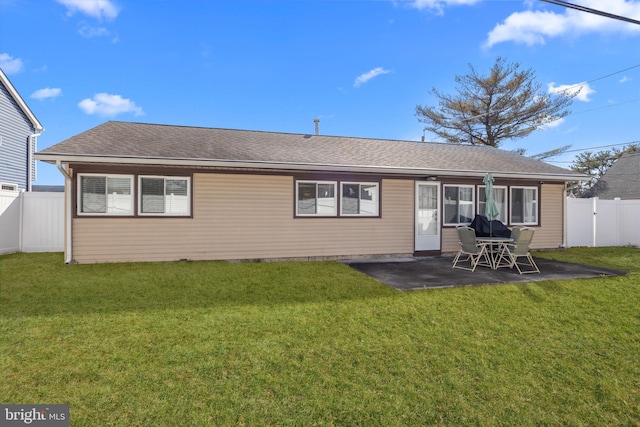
(31, 222)
(597, 222)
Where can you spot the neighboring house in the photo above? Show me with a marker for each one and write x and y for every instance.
(48, 188)
(621, 180)
(19, 131)
(146, 192)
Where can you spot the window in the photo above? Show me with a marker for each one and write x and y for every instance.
(316, 198)
(105, 195)
(359, 199)
(168, 196)
(524, 205)
(500, 196)
(8, 187)
(458, 204)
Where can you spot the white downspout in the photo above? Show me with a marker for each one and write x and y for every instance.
(68, 214)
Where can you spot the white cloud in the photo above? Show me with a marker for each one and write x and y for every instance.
(47, 93)
(583, 89)
(105, 104)
(438, 6)
(625, 79)
(9, 64)
(534, 27)
(552, 124)
(88, 31)
(363, 78)
(100, 9)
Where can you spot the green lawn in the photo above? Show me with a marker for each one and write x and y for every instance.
(316, 343)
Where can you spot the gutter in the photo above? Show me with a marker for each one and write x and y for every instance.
(68, 255)
(256, 164)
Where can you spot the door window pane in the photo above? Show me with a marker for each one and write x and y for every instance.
(428, 210)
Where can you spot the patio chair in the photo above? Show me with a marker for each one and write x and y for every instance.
(519, 249)
(515, 231)
(475, 251)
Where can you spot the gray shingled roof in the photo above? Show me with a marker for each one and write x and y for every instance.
(125, 142)
(622, 179)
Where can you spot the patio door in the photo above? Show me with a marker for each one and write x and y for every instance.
(427, 227)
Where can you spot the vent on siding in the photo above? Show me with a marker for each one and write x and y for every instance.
(33, 147)
(8, 187)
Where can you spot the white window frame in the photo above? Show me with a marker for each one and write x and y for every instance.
(472, 203)
(536, 202)
(164, 178)
(6, 186)
(107, 211)
(317, 182)
(375, 199)
(504, 209)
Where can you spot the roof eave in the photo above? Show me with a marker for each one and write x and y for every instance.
(256, 164)
(37, 126)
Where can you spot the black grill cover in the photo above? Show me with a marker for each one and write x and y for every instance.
(497, 229)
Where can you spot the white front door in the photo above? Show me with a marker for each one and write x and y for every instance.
(427, 232)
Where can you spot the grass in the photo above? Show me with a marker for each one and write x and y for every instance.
(316, 343)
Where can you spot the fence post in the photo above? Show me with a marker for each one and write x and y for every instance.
(21, 222)
(617, 201)
(595, 221)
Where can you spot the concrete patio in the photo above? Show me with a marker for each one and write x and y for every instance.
(405, 274)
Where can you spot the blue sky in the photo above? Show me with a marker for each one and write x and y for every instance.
(359, 66)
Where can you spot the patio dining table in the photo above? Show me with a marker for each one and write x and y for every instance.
(495, 245)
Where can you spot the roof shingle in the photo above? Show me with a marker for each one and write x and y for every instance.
(621, 180)
(125, 140)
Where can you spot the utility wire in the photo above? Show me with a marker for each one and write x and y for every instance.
(617, 104)
(603, 77)
(601, 146)
(594, 11)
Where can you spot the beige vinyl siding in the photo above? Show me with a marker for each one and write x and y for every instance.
(548, 235)
(248, 217)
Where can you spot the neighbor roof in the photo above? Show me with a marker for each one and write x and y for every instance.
(20, 102)
(621, 180)
(153, 144)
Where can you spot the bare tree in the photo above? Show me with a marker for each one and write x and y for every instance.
(506, 104)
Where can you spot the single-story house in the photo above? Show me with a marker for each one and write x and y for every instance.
(621, 180)
(149, 192)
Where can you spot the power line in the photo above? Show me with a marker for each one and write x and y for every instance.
(590, 148)
(603, 77)
(594, 11)
(617, 104)
(601, 146)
